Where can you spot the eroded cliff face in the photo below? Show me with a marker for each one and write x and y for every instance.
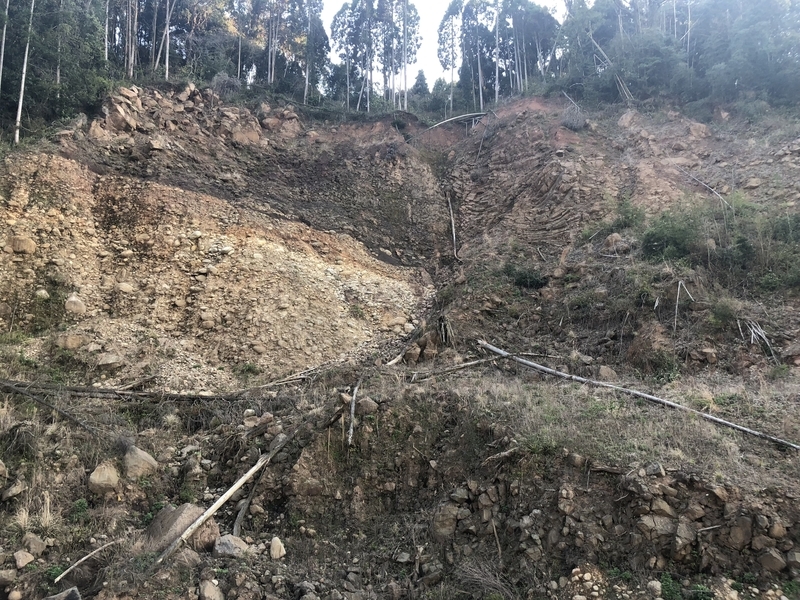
(207, 239)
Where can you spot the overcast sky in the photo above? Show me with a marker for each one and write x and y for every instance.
(430, 15)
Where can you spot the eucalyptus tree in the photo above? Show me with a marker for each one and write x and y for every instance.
(449, 44)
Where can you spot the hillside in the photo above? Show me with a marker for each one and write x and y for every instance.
(188, 285)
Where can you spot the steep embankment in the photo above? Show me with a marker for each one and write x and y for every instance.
(193, 237)
(181, 244)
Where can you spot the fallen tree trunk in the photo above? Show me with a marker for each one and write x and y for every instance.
(648, 397)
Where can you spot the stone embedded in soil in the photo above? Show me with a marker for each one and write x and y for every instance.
(75, 305)
(70, 341)
(110, 361)
(654, 588)
(171, 522)
(229, 546)
(15, 595)
(209, 591)
(14, 490)
(741, 533)
(7, 576)
(70, 594)
(34, 544)
(23, 558)
(444, 522)
(187, 557)
(793, 559)
(772, 560)
(104, 479)
(276, 549)
(366, 406)
(22, 245)
(138, 463)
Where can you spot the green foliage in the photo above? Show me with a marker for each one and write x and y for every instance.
(79, 513)
(701, 592)
(246, 369)
(674, 235)
(791, 590)
(53, 571)
(523, 277)
(629, 216)
(670, 589)
(356, 311)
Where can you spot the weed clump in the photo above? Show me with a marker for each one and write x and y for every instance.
(672, 237)
(526, 278)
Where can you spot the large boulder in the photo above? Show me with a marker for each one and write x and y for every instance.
(171, 522)
(104, 479)
(139, 463)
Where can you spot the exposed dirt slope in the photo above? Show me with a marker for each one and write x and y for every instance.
(182, 244)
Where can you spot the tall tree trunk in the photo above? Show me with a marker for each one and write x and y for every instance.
(348, 83)
(405, 55)
(480, 74)
(497, 53)
(3, 44)
(153, 29)
(105, 36)
(135, 37)
(18, 122)
(308, 53)
(239, 63)
(689, 34)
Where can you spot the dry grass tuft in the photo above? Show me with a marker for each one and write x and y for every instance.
(617, 429)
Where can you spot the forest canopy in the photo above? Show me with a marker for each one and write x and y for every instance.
(697, 52)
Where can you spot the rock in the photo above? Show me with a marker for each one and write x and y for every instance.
(74, 305)
(699, 130)
(96, 131)
(229, 546)
(762, 541)
(654, 588)
(70, 594)
(23, 558)
(188, 558)
(15, 595)
(104, 479)
(7, 576)
(412, 354)
(772, 560)
(460, 495)
(607, 374)
(276, 549)
(444, 522)
(109, 361)
(655, 526)
(171, 522)
(753, 183)
(793, 559)
(138, 463)
(366, 406)
(14, 490)
(209, 591)
(660, 507)
(655, 469)
(70, 341)
(684, 538)
(777, 531)
(22, 245)
(626, 120)
(741, 533)
(124, 287)
(34, 544)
